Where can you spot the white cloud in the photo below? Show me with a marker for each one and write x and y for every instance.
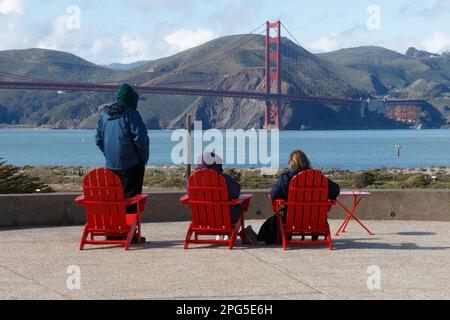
(134, 48)
(97, 47)
(12, 6)
(15, 34)
(438, 43)
(237, 17)
(185, 39)
(426, 8)
(58, 35)
(90, 45)
(439, 7)
(324, 44)
(163, 3)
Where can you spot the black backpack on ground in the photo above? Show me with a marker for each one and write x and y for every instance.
(268, 231)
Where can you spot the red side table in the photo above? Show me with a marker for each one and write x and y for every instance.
(358, 196)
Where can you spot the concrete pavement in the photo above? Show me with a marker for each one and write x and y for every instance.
(413, 260)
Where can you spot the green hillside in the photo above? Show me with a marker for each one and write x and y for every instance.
(38, 107)
(208, 64)
(52, 65)
(417, 74)
(228, 63)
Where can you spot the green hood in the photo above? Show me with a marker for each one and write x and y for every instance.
(128, 96)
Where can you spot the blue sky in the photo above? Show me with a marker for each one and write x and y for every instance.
(129, 30)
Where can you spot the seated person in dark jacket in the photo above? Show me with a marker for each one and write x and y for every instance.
(299, 162)
(213, 162)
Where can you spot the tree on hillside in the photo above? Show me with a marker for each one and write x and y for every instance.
(12, 180)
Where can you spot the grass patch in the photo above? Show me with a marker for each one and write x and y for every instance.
(70, 179)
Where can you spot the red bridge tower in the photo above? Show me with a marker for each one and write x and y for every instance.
(273, 74)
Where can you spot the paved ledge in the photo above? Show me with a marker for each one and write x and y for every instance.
(413, 258)
(59, 210)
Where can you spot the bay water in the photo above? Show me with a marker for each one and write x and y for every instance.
(354, 150)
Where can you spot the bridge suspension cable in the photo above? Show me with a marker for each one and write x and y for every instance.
(287, 30)
(226, 50)
(18, 77)
(181, 70)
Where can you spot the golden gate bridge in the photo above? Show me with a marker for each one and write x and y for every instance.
(273, 95)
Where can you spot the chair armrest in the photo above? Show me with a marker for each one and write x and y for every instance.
(244, 197)
(244, 201)
(136, 199)
(332, 203)
(80, 200)
(277, 204)
(140, 200)
(185, 200)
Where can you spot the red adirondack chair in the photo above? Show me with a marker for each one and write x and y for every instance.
(210, 209)
(105, 210)
(307, 210)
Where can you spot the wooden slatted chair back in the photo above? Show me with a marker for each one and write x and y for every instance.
(308, 203)
(105, 202)
(209, 200)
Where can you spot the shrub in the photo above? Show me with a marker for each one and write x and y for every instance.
(417, 181)
(364, 179)
(12, 180)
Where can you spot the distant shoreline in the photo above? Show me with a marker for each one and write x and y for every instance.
(171, 178)
(4, 127)
(427, 170)
(26, 127)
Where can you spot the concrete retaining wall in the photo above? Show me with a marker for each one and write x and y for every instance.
(18, 211)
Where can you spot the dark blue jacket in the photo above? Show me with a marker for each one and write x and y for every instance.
(234, 188)
(234, 192)
(121, 132)
(281, 188)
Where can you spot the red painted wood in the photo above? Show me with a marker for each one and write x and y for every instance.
(105, 209)
(199, 195)
(220, 211)
(322, 220)
(208, 195)
(96, 211)
(308, 207)
(224, 209)
(116, 212)
(210, 209)
(194, 209)
(316, 197)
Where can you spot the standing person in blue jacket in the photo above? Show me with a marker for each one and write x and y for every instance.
(123, 139)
